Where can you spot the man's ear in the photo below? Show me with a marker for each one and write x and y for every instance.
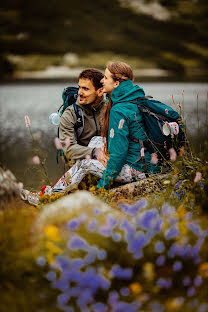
(100, 92)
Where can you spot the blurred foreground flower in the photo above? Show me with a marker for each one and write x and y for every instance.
(27, 121)
(126, 262)
(173, 154)
(154, 159)
(36, 160)
(197, 177)
(58, 143)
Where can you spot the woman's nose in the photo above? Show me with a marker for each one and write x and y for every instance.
(102, 80)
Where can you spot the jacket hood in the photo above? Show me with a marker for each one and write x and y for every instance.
(126, 92)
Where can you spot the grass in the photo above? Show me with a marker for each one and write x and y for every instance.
(134, 254)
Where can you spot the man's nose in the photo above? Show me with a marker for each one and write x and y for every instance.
(102, 80)
(80, 91)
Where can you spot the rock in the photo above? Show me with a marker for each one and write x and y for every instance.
(140, 188)
(8, 186)
(73, 206)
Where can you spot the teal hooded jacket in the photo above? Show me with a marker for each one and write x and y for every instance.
(125, 120)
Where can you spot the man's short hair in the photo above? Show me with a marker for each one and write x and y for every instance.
(94, 75)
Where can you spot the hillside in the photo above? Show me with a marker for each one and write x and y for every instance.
(178, 43)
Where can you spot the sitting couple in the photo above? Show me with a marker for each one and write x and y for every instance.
(113, 155)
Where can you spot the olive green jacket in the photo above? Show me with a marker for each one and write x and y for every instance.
(78, 148)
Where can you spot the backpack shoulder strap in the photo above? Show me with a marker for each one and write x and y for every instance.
(79, 126)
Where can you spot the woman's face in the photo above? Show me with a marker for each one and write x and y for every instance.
(108, 83)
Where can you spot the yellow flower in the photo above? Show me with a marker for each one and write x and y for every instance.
(53, 248)
(203, 269)
(181, 211)
(52, 233)
(135, 288)
(148, 270)
(174, 304)
(92, 188)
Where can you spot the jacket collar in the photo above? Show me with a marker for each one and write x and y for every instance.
(126, 92)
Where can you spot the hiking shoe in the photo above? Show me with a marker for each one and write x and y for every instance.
(32, 198)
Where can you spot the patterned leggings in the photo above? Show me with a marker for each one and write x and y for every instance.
(82, 167)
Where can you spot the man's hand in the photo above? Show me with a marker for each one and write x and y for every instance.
(100, 155)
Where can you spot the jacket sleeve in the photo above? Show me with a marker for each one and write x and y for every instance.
(117, 146)
(66, 130)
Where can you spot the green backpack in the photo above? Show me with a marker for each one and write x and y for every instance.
(156, 118)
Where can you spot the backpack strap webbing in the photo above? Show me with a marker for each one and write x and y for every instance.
(78, 128)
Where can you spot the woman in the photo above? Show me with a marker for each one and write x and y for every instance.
(123, 120)
(127, 161)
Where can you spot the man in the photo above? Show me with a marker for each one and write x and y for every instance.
(90, 99)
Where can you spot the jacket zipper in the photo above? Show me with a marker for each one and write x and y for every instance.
(95, 122)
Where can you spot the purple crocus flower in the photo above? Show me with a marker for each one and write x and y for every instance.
(76, 242)
(191, 291)
(172, 232)
(63, 262)
(113, 298)
(198, 281)
(111, 222)
(92, 225)
(203, 307)
(121, 273)
(159, 247)
(105, 230)
(156, 306)
(51, 276)
(85, 297)
(77, 263)
(128, 228)
(186, 281)
(164, 283)
(177, 266)
(102, 254)
(96, 211)
(138, 242)
(89, 258)
(62, 299)
(148, 218)
(41, 261)
(73, 224)
(133, 209)
(168, 210)
(99, 307)
(160, 261)
(195, 228)
(116, 237)
(124, 291)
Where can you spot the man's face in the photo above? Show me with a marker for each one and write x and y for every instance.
(108, 83)
(87, 92)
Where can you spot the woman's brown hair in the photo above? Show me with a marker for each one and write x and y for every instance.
(120, 72)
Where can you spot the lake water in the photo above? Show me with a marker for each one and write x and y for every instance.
(38, 100)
